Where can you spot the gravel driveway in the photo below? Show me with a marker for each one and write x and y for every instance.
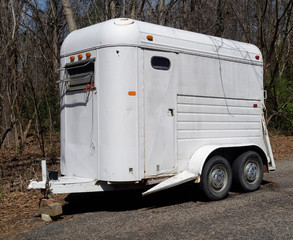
(179, 213)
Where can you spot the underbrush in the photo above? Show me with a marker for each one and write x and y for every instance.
(17, 169)
(2, 193)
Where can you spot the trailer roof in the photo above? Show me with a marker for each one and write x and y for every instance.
(128, 32)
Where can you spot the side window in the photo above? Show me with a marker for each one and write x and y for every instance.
(79, 75)
(160, 63)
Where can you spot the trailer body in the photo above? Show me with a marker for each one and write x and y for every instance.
(143, 104)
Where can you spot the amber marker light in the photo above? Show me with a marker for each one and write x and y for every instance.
(150, 37)
(79, 56)
(132, 93)
(88, 54)
(72, 58)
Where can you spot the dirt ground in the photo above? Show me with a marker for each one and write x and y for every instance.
(282, 146)
(19, 207)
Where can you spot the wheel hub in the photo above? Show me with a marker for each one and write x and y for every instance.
(251, 172)
(218, 179)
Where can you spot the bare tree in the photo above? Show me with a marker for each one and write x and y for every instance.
(161, 12)
(32, 32)
(269, 25)
(69, 15)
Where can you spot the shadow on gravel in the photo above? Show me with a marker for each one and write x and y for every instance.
(130, 200)
(236, 190)
(267, 184)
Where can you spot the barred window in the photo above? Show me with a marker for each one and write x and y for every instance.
(80, 74)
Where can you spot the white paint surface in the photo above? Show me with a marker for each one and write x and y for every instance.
(214, 88)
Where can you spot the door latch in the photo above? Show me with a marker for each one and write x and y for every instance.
(171, 112)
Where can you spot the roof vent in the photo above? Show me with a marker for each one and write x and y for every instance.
(123, 21)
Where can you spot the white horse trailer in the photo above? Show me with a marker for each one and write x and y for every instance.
(143, 104)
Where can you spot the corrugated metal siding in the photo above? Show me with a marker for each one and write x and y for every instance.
(210, 118)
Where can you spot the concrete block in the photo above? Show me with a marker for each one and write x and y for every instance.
(45, 201)
(53, 209)
(46, 218)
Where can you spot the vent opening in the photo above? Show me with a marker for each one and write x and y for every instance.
(80, 75)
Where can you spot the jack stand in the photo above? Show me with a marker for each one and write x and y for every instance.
(48, 208)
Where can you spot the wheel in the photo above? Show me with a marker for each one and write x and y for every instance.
(216, 178)
(248, 171)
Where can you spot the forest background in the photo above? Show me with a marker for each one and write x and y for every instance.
(32, 31)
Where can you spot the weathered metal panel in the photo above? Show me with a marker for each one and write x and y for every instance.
(159, 108)
(118, 115)
(220, 121)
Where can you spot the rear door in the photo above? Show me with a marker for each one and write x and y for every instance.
(159, 70)
(79, 118)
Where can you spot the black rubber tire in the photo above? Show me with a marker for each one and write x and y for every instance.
(248, 171)
(217, 168)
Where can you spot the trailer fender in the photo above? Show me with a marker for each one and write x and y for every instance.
(193, 171)
(176, 180)
(199, 157)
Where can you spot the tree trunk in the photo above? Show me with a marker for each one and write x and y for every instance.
(132, 6)
(220, 19)
(161, 12)
(113, 9)
(69, 15)
(185, 15)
